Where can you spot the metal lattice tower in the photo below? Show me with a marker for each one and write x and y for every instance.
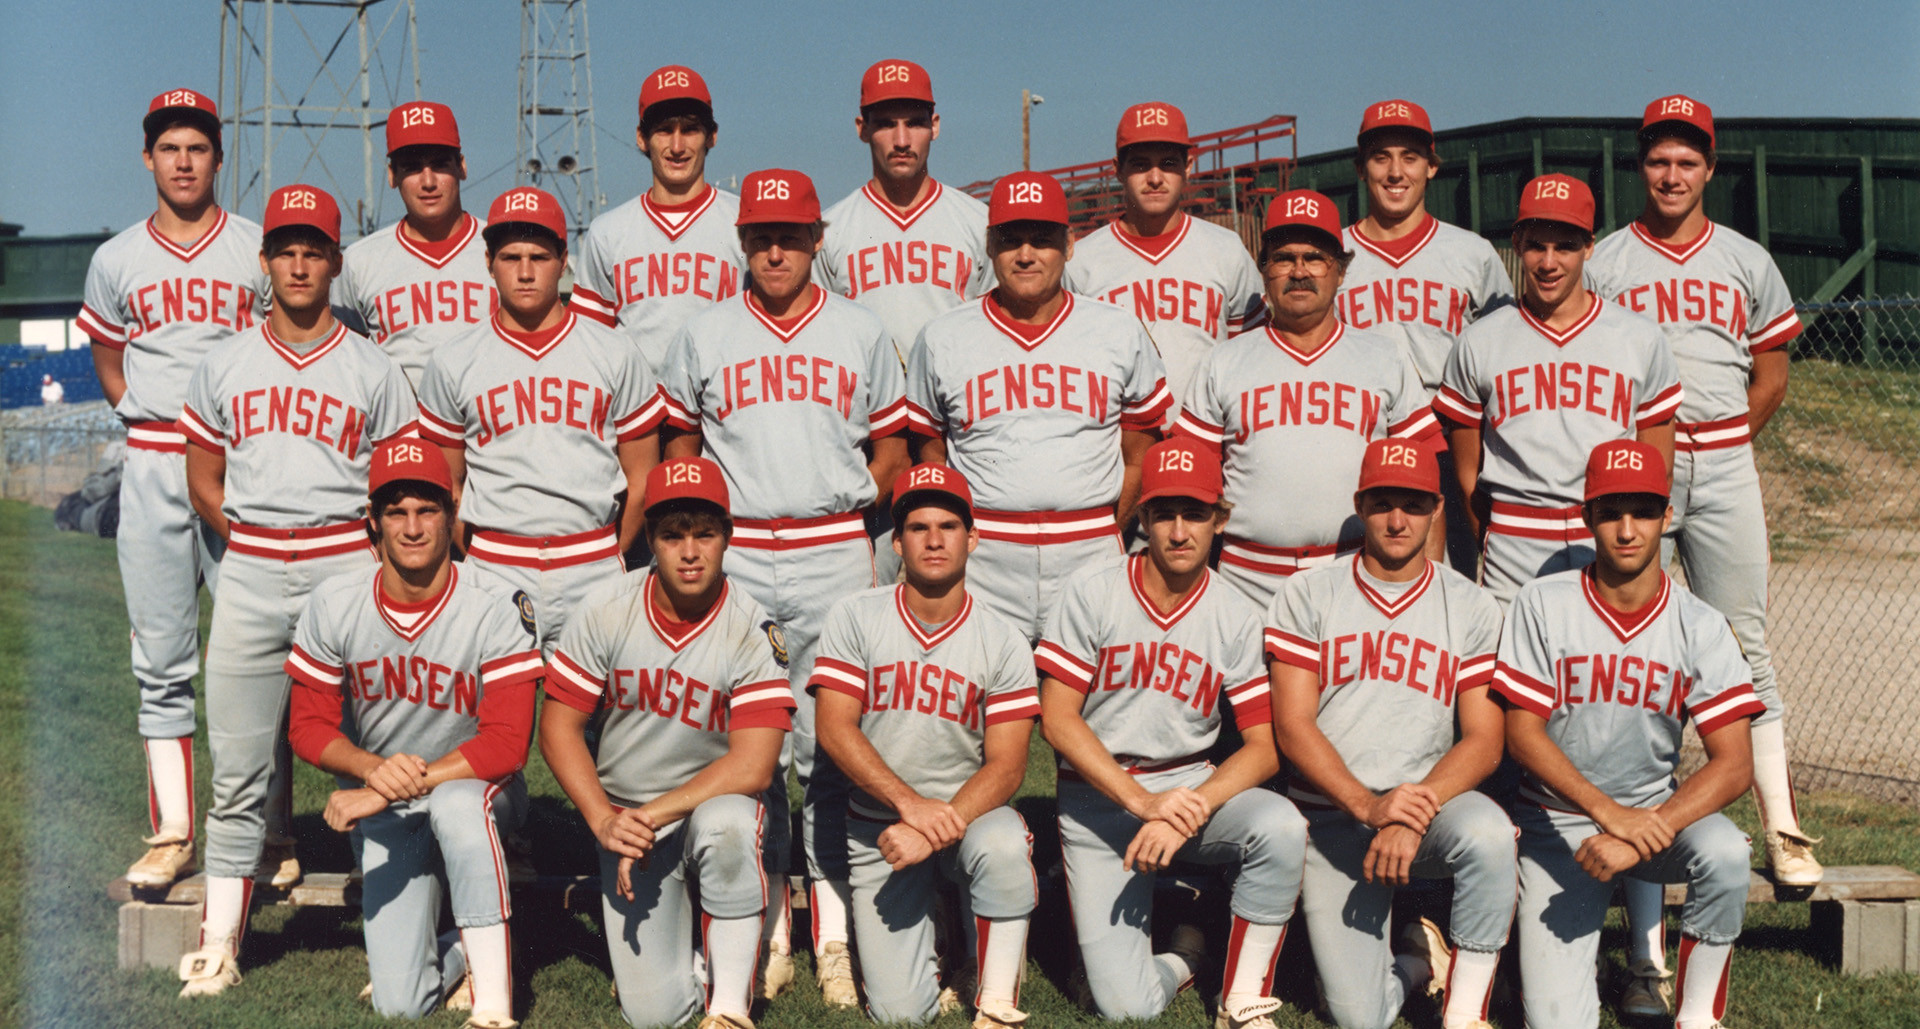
(555, 147)
(305, 85)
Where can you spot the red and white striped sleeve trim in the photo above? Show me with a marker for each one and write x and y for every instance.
(1524, 690)
(1419, 425)
(840, 676)
(440, 432)
(586, 302)
(1474, 672)
(308, 670)
(1252, 702)
(644, 419)
(919, 421)
(1149, 412)
(677, 414)
(889, 420)
(1055, 661)
(107, 333)
(1725, 707)
(1012, 705)
(1190, 424)
(199, 432)
(1777, 333)
(1660, 409)
(757, 696)
(512, 670)
(571, 685)
(1453, 407)
(1289, 649)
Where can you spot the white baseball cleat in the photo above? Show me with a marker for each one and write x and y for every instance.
(490, 1020)
(1254, 1014)
(1424, 940)
(279, 866)
(1790, 855)
(958, 985)
(718, 1020)
(167, 859)
(998, 1016)
(1648, 993)
(208, 972)
(776, 972)
(835, 972)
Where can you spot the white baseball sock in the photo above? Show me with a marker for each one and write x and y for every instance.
(830, 903)
(733, 952)
(490, 964)
(1469, 984)
(1646, 922)
(777, 933)
(1703, 983)
(1002, 955)
(223, 915)
(1772, 784)
(170, 787)
(1251, 950)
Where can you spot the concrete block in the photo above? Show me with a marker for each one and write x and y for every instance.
(156, 935)
(1864, 937)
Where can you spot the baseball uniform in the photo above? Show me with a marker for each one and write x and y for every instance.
(1422, 290)
(646, 267)
(1543, 400)
(540, 417)
(1155, 685)
(1032, 416)
(1192, 287)
(1296, 425)
(454, 672)
(1616, 690)
(164, 305)
(1391, 660)
(670, 693)
(414, 295)
(928, 695)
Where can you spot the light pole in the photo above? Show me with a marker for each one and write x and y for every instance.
(1028, 101)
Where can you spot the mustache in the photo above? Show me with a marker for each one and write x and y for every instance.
(1299, 282)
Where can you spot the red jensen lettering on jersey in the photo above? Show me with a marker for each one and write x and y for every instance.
(428, 303)
(1628, 680)
(298, 411)
(1405, 300)
(1308, 403)
(414, 679)
(786, 377)
(668, 693)
(674, 273)
(909, 262)
(203, 301)
(1018, 387)
(1691, 300)
(1562, 386)
(926, 688)
(547, 400)
(1164, 668)
(1383, 656)
(1173, 300)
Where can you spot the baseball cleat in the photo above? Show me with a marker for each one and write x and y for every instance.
(958, 985)
(279, 866)
(491, 1020)
(1648, 993)
(776, 972)
(718, 1020)
(461, 999)
(166, 860)
(1254, 1014)
(1424, 940)
(366, 992)
(998, 1016)
(1790, 855)
(208, 972)
(835, 973)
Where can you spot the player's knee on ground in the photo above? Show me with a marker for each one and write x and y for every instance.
(724, 834)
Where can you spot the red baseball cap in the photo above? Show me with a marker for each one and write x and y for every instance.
(895, 80)
(928, 483)
(411, 459)
(421, 123)
(302, 205)
(1308, 209)
(530, 205)
(673, 82)
(1027, 196)
(1557, 198)
(1396, 114)
(1399, 464)
(1625, 466)
(778, 195)
(1151, 122)
(1682, 109)
(687, 478)
(1180, 467)
(177, 102)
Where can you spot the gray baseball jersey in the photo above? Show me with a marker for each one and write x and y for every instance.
(647, 267)
(1617, 688)
(414, 295)
(927, 695)
(671, 691)
(1392, 658)
(1192, 287)
(1422, 290)
(907, 267)
(540, 419)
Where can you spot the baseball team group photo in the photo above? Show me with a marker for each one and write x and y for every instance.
(1018, 604)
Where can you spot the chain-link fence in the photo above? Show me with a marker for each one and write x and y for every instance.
(50, 451)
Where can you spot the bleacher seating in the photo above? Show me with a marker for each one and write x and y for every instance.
(21, 368)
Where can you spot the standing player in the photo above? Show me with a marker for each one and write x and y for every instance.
(1414, 278)
(281, 422)
(796, 393)
(547, 420)
(1600, 669)
(648, 264)
(685, 670)
(1380, 668)
(1135, 666)
(421, 282)
(158, 296)
(1533, 388)
(1043, 402)
(440, 764)
(927, 705)
(1290, 407)
(1190, 282)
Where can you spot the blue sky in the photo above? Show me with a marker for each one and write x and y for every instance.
(76, 78)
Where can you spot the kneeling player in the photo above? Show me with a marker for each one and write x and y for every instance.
(682, 666)
(1600, 669)
(926, 701)
(1136, 661)
(1387, 791)
(440, 761)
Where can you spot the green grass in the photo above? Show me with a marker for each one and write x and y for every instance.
(73, 779)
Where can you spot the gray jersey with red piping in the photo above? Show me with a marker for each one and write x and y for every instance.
(415, 296)
(1423, 290)
(906, 267)
(647, 268)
